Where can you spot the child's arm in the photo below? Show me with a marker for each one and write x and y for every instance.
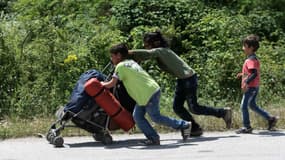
(141, 54)
(252, 76)
(110, 83)
(249, 79)
(239, 75)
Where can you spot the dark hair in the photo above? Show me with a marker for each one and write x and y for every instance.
(120, 48)
(155, 39)
(251, 41)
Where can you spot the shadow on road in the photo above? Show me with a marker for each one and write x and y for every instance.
(202, 139)
(132, 144)
(83, 144)
(135, 143)
(270, 133)
(167, 143)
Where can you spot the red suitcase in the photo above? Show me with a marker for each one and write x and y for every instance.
(109, 104)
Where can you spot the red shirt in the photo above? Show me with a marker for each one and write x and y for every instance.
(251, 63)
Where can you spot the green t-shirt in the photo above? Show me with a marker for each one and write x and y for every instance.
(167, 60)
(139, 85)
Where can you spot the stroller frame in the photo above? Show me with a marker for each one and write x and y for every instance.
(99, 132)
(102, 134)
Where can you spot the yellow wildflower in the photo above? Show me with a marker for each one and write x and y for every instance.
(70, 58)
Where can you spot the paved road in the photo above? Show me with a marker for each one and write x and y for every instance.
(261, 145)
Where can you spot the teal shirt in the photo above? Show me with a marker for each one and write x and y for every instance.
(167, 60)
(138, 83)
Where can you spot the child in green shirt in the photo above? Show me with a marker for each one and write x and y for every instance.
(146, 92)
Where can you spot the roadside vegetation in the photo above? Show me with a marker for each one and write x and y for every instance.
(45, 45)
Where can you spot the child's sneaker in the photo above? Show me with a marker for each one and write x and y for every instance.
(228, 117)
(196, 132)
(271, 123)
(186, 131)
(150, 142)
(244, 130)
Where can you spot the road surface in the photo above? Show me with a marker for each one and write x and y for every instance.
(261, 145)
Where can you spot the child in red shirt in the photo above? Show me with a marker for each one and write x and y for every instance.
(250, 85)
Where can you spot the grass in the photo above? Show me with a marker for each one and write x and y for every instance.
(16, 127)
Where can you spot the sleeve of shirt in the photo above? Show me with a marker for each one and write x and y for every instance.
(252, 76)
(144, 54)
(251, 64)
(117, 73)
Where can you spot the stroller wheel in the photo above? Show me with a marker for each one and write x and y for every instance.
(58, 141)
(98, 136)
(50, 136)
(52, 133)
(107, 139)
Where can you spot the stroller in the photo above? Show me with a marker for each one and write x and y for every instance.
(87, 114)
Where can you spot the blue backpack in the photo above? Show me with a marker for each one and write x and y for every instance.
(79, 98)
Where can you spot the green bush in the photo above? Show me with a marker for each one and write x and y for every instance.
(46, 45)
